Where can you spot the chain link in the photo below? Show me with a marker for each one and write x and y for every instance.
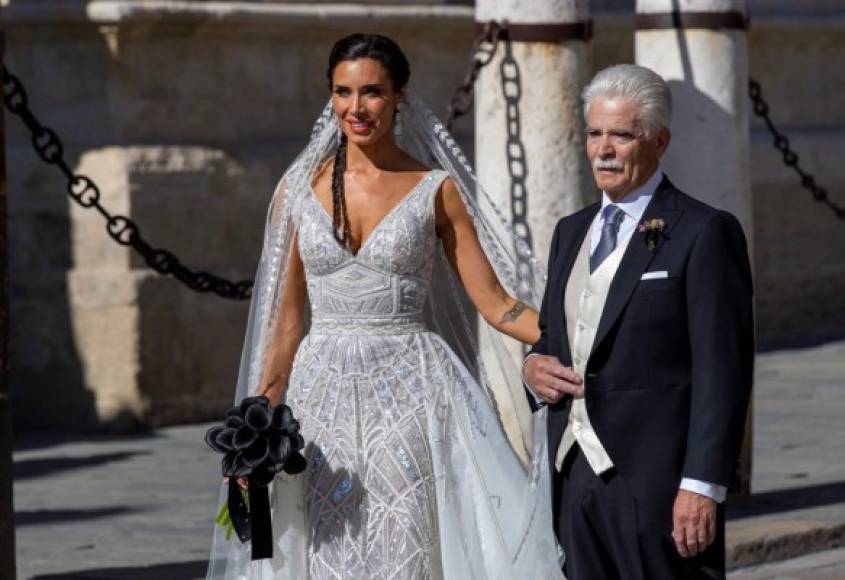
(483, 51)
(790, 158)
(515, 152)
(86, 193)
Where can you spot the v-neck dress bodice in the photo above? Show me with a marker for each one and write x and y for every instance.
(386, 283)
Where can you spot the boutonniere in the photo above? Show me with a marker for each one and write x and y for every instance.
(653, 230)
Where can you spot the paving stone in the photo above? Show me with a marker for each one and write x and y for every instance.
(141, 507)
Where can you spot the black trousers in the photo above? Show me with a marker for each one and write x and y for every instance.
(606, 537)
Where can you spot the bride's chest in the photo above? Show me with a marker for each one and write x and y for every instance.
(403, 242)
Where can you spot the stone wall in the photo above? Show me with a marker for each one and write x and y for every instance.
(185, 115)
(187, 112)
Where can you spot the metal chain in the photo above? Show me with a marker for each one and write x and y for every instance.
(790, 158)
(515, 152)
(483, 51)
(85, 192)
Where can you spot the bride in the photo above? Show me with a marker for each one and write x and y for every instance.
(422, 460)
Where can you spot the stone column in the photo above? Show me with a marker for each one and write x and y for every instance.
(550, 46)
(529, 121)
(700, 48)
(7, 519)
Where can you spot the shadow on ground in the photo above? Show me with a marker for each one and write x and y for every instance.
(785, 500)
(32, 468)
(180, 571)
(35, 440)
(38, 517)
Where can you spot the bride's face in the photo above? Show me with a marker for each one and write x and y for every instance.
(364, 100)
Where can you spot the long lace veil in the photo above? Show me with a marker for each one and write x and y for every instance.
(485, 352)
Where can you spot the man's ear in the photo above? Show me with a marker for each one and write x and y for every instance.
(663, 139)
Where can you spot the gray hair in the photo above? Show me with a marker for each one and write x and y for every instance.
(639, 84)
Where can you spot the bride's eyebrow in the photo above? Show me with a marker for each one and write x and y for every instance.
(369, 87)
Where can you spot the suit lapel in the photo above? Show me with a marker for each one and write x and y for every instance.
(637, 258)
(566, 261)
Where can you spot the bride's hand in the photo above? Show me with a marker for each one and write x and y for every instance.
(243, 482)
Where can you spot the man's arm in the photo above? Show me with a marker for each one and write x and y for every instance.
(541, 346)
(545, 379)
(721, 329)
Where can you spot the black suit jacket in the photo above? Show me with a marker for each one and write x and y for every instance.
(669, 377)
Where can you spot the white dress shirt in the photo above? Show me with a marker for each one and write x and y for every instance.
(633, 206)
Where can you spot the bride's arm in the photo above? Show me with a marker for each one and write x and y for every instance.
(499, 309)
(288, 331)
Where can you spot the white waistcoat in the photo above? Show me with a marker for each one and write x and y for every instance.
(584, 300)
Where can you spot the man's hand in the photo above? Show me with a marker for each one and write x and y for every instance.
(693, 522)
(550, 380)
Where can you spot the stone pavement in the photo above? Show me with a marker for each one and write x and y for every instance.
(827, 565)
(136, 508)
(798, 483)
(140, 507)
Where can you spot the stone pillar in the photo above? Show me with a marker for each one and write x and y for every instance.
(700, 48)
(7, 519)
(702, 53)
(551, 48)
(529, 121)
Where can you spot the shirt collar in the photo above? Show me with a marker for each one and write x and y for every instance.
(635, 203)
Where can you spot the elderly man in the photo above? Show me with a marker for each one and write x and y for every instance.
(646, 353)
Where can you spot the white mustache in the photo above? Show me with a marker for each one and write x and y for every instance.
(607, 164)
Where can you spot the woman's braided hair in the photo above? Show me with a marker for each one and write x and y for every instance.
(353, 47)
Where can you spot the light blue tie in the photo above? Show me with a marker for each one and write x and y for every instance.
(607, 243)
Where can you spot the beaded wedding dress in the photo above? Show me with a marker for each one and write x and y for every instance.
(411, 475)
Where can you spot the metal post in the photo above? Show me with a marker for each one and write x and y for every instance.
(7, 519)
(701, 48)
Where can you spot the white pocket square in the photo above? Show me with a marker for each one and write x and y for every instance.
(655, 275)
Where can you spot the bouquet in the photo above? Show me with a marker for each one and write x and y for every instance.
(257, 442)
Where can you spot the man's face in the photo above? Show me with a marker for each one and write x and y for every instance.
(621, 156)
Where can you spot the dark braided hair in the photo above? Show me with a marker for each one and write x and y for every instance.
(339, 213)
(391, 57)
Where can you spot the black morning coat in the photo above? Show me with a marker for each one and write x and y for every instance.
(670, 374)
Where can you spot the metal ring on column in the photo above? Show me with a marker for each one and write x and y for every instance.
(708, 20)
(543, 32)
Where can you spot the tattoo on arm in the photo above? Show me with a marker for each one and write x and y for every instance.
(513, 312)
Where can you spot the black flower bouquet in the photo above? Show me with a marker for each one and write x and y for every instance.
(257, 442)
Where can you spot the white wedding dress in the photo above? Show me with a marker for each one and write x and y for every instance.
(410, 475)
